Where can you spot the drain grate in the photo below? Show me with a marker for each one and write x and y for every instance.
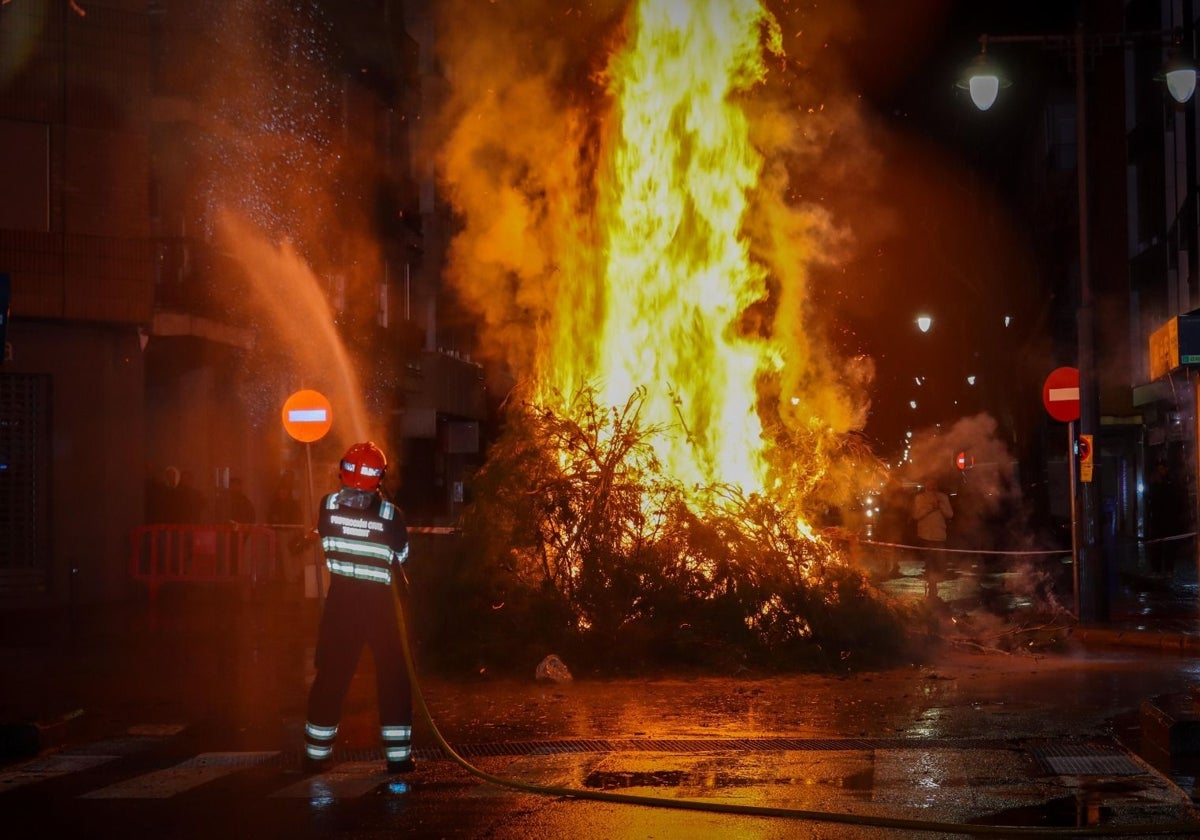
(694, 745)
(123, 746)
(1085, 760)
(231, 759)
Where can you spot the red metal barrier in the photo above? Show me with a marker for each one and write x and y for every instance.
(170, 553)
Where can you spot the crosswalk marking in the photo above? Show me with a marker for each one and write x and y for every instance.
(159, 730)
(342, 781)
(50, 767)
(130, 770)
(163, 784)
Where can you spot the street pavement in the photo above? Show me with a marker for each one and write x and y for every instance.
(185, 721)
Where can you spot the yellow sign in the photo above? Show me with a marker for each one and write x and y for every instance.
(1164, 349)
(1087, 457)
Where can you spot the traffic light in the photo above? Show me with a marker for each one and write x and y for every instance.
(1087, 456)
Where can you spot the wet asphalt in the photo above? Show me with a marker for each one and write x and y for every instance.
(1071, 732)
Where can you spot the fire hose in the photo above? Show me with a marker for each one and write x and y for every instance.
(981, 830)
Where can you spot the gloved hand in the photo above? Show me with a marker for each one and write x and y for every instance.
(300, 542)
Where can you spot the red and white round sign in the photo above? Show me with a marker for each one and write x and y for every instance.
(1060, 394)
(307, 415)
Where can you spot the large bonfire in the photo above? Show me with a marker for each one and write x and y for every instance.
(631, 243)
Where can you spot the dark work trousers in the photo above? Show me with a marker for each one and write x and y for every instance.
(359, 612)
(935, 565)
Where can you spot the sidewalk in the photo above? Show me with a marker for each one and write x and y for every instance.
(1147, 606)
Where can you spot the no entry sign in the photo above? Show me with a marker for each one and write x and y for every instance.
(1060, 394)
(307, 416)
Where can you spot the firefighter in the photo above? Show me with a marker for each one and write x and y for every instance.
(365, 541)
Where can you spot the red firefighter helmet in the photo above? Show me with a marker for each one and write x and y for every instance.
(362, 466)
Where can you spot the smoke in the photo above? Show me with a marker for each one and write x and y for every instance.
(291, 301)
(520, 131)
(521, 156)
(281, 181)
(840, 221)
(984, 487)
(989, 514)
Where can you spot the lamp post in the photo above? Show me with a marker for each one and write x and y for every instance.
(984, 81)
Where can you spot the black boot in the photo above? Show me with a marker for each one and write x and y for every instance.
(399, 767)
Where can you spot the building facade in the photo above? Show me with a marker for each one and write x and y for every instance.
(1163, 236)
(207, 207)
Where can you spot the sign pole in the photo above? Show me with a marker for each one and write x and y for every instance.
(312, 518)
(1060, 395)
(1074, 516)
(307, 416)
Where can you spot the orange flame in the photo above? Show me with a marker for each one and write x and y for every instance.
(647, 245)
(676, 272)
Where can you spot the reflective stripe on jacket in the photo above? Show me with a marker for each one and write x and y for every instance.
(362, 543)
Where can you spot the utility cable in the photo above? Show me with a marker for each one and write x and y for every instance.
(943, 550)
(1175, 828)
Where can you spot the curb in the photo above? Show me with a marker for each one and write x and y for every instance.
(25, 740)
(1156, 639)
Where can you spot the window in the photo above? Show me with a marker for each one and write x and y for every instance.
(25, 174)
(24, 482)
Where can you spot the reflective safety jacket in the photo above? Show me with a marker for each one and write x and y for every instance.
(362, 543)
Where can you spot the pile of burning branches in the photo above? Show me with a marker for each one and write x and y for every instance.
(576, 544)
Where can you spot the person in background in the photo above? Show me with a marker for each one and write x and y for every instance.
(158, 504)
(365, 542)
(241, 509)
(932, 512)
(285, 516)
(284, 508)
(191, 506)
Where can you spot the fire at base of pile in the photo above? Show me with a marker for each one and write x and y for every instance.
(575, 544)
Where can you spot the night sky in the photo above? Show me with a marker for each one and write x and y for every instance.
(949, 236)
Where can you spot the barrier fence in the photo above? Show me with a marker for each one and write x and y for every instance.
(175, 553)
(223, 553)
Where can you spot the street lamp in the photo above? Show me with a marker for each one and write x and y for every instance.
(1179, 75)
(983, 80)
(924, 322)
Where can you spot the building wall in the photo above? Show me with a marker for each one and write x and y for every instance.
(211, 416)
(106, 234)
(96, 477)
(74, 165)
(1162, 225)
